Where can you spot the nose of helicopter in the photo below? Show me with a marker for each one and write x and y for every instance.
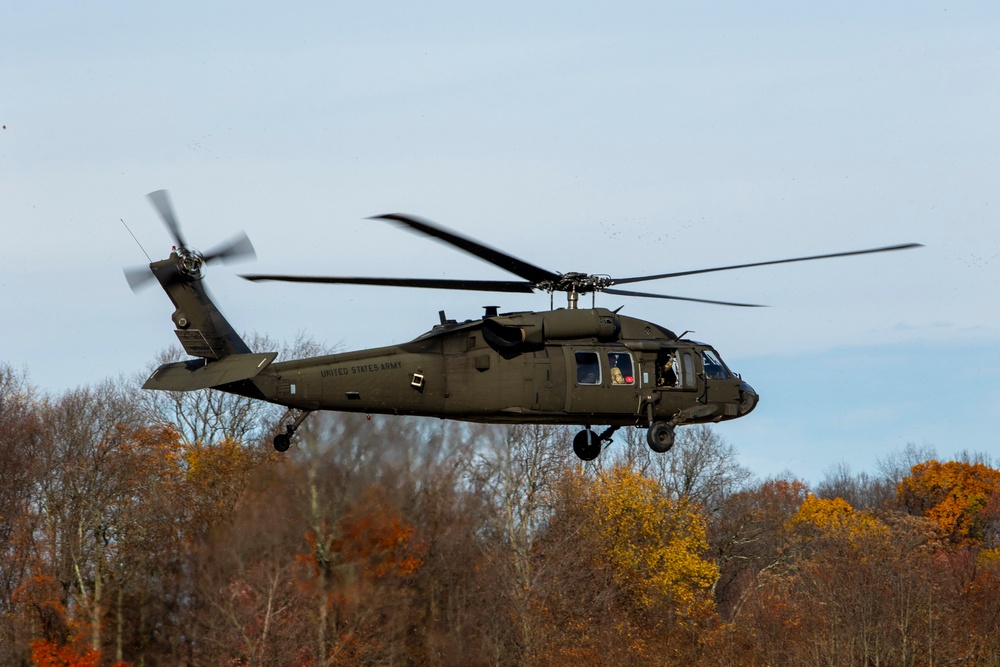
(748, 398)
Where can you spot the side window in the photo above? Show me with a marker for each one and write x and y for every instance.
(620, 365)
(714, 369)
(588, 368)
(667, 369)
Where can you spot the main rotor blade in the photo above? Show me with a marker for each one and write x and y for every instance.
(648, 295)
(905, 246)
(235, 248)
(161, 200)
(496, 257)
(426, 283)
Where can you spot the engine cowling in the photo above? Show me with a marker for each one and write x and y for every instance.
(535, 329)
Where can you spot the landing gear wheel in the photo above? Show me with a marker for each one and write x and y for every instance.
(660, 437)
(282, 441)
(587, 445)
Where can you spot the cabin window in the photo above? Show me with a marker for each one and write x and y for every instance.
(687, 370)
(588, 368)
(620, 365)
(714, 368)
(667, 369)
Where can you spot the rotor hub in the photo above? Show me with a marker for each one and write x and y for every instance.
(190, 262)
(579, 283)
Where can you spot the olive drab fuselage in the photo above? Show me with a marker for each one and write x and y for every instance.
(566, 366)
(586, 366)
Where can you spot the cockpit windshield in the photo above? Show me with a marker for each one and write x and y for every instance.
(714, 368)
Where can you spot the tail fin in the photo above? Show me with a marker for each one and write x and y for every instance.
(201, 328)
(203, 331)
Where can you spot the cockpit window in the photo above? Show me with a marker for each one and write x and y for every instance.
(620, 364)
(588, 368)
(714, 368)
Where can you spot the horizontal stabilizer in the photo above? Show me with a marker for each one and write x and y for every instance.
(202, 374)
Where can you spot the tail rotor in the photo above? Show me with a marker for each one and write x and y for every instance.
(189, 260)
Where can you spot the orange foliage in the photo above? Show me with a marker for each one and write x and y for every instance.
(955, 495)
(782, 492)
(41, 597)
(156, 448)
(46, 653)
(41, 594)
(206, 464)
(381, 542)
(373, 538)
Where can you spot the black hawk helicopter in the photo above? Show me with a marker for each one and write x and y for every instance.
(575, 366)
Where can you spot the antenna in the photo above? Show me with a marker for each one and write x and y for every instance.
(137, 242)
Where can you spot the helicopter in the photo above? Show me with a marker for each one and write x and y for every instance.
(568, 366)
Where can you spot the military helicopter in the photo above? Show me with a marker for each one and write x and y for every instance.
(572, 365)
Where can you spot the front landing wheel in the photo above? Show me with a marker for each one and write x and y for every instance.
(587, 445)
(660, 437)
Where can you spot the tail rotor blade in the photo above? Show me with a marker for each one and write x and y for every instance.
(161, 201)
(138, 277)
(238, 247)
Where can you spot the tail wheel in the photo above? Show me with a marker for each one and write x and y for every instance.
(282, 441)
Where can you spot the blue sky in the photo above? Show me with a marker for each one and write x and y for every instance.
(629, 140)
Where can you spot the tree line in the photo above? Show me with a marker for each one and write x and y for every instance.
(143, 529)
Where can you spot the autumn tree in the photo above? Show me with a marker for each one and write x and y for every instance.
(81, 494)
(364, 487)
(862, 490)
(897, 464)
(644, 590)
(702, 467)
(58, 640)
(863, 589)
(516, 474)
(836, 518)
(248, 602)
(749, 538)
(20, 438)
(452, 592)
(956, 495)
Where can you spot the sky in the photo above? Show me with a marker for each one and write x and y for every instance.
(633, 139)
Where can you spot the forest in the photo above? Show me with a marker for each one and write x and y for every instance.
(147, 528)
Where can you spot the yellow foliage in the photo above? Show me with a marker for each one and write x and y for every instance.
(836, 517)
(227, 458)
(216, 476)
(654, 547)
